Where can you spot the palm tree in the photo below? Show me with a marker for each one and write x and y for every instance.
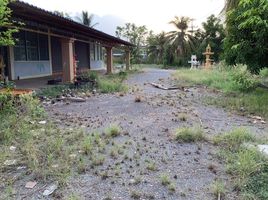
(181, 39)
(156, 46)
(87, 19)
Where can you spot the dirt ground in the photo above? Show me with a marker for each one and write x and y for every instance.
(149, 126)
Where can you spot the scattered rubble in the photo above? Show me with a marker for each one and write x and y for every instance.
(50, 189)
(10, 162)
(42, 122)
(30, 184)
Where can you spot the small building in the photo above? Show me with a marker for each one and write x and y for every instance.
(51, 45)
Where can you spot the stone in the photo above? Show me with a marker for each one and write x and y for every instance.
(10, 162)
(263, 149)
(42, 122)
(30, 184)
(12, 148)
(50, 189)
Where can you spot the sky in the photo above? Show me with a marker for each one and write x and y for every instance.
(155, 14)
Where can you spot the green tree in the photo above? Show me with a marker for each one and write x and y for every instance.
(156, 47)
(213, 34)
(181, 39)
(87, 19)
(6, 32)
(136, 35)
(230, 5)
(247, 35)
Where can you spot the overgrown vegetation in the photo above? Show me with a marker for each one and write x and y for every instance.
(245, 163)
(92, 81)
(6, 34)
(240, 88)
(247, 34)
(49, 153)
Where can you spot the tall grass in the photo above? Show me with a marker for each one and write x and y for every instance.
(248, 166)
(49, 153)
(238, 87)
(103, 84)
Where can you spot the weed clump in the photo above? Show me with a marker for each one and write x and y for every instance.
(218, 188)
(234, 138)
(189, 134)
(165, 180)
(113, 131)
(245, 162)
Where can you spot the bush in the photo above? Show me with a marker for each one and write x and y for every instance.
(243, 79)
(89, 76)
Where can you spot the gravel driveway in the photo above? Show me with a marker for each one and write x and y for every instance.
(149, 126)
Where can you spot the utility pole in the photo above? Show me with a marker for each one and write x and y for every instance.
(192, 27)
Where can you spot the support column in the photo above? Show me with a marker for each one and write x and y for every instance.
(127, 60)
(109, 52)
(67, 60)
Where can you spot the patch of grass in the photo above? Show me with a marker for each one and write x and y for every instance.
(189, 134)
(112, 83)
(49, 153)
(165, 180)
(245, 163)
(253, 102)
(151, 166)
(239, 89)
(172, 187)
(53, 91)
(103, 84)
(113, 131)
(98, 160)
(81, 167)
(135, 195)
(234, 139)
(74, 197)
(219, 79)
(87, 145)
(111, 86)
(218, 188)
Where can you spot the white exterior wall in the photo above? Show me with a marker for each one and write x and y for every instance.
(98, 62)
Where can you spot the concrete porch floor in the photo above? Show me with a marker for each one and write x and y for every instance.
(33, 83)
(39, 83)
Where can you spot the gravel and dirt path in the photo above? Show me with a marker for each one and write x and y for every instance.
(148, 128)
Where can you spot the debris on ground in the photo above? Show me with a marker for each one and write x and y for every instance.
(50, 189)
(138, 99)
(12, 148)
(258, 119)
(42, 122)
(10, 162)
(76, 99)
(166, 88)
(30, 184)
(263, 149)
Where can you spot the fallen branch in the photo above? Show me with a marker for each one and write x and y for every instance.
(72, 99)
(166, 88)
(262, 86)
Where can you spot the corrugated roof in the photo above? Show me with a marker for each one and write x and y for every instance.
(21, 9)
